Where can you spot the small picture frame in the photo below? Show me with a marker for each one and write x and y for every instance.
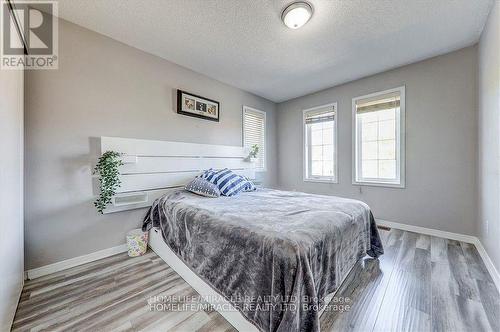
(197, 106)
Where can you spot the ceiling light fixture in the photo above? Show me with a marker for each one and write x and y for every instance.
(296, 14)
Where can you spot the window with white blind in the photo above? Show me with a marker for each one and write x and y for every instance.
(254, 133)
(320, 143)
(378, 140)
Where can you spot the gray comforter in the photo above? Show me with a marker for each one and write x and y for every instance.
(273, 254)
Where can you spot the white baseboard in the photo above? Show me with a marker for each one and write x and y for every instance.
(489, 263)
(427, 231)
(72, 262)
(452, 236)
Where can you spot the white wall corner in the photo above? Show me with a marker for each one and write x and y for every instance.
(9, 321)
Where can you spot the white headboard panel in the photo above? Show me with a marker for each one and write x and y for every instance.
(151, 168)
(142, 147)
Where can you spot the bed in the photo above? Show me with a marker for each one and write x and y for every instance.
(273, 255)
(287, 249)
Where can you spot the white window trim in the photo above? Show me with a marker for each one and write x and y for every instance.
(263, 169)
(401, 148)
(305, 178)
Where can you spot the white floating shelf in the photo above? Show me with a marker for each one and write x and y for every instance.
(130, 198)
(129, 159)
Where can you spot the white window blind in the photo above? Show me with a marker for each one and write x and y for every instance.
(320, 143)
(379, 138)
(254, 133)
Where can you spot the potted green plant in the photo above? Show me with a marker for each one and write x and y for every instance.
(109, 180)
(254, 151)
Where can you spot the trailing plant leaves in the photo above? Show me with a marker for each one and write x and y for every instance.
(107, 169)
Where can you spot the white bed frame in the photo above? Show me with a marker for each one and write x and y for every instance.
(231, 314)
(150, 169)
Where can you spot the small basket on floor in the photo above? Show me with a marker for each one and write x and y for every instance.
(137, 242)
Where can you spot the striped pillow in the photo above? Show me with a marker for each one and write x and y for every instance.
(207, 174)
(227, 181)
(203, 187)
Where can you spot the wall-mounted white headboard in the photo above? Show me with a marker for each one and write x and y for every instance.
(151, 168)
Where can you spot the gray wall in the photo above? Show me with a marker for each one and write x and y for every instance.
(105, 88)
(489, 136)
(440, 143)
(11, 194)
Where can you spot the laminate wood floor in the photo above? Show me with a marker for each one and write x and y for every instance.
(421, 283)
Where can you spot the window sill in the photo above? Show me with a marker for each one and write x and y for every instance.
(379, 184)
(321, 180)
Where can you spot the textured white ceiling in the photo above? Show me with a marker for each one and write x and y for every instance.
(245, 44)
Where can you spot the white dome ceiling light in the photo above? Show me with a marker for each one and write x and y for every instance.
(296, 14)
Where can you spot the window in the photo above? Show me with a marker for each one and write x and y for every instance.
(378, 138)
(320, 143)
(254, 132)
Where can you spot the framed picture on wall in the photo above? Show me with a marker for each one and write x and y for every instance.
(197, 106)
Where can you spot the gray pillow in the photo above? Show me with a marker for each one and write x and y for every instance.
(203, 187)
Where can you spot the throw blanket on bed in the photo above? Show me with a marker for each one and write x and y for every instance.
(273, 254)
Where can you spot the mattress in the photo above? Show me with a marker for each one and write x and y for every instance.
(273, 254)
